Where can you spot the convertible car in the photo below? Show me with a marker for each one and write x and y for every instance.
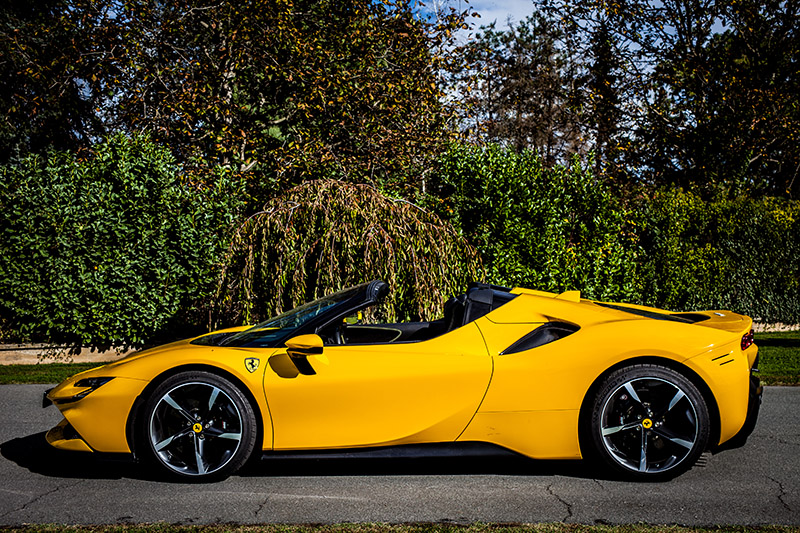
(640, 390)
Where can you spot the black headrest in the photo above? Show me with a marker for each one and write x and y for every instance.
(377, 290)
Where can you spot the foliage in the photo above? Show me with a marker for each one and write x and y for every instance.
(516, 87)
(548, 84)
(280, 91)
(105, 250)
(726, 115)
(48, 69)
(702, 95)
(552, 229)
(740, 254)
(325, 235)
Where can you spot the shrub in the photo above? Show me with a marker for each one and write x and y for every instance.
(741, 254)
(552, 229)
(325, 235)
(105, 250)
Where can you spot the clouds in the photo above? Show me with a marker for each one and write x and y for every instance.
(501, 11)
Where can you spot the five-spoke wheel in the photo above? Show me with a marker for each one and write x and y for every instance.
(197, 425)
(649, 422)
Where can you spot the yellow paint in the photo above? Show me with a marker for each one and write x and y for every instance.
(55, 437)
(101, 417)
(383, 394)
(570, 296)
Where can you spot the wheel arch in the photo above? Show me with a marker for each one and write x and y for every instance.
(584, 416)
(138, 403)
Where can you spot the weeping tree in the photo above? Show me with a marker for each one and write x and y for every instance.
(325, 235)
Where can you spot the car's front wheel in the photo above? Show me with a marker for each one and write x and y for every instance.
(197, 426)
(649, 422)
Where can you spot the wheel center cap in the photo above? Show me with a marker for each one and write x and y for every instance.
(647, 423)
(197, 428)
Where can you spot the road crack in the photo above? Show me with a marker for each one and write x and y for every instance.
(782, 494)
(40, 496)
(564, 502)
(261, 507)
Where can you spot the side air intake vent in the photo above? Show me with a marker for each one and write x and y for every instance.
(544, 334)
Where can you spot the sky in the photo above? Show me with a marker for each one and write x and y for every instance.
(501, 10)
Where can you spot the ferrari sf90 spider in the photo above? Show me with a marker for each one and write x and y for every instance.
(550, 376)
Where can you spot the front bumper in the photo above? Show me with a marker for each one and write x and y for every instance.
(96, 421)
(64, 437)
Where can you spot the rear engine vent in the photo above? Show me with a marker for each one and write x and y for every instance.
(544, 334)
(693, 318)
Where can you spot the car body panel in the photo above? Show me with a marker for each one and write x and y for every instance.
(376, 395)
(114, 400)
(111, 402)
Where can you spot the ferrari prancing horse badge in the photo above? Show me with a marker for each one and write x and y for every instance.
(251, 364)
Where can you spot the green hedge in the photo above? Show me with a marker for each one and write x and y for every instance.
(107, 250)
(552, 229)
(741, 254)
(116, 248)
(562, 229)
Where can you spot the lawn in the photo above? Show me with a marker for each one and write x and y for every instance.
(779, 357)
(779, 363)
(42, 373)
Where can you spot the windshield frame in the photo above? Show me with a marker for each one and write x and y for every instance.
(305, 318)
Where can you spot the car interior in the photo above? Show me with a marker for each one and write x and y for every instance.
(479, 300)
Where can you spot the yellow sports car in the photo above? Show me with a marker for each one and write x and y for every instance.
(550, 376)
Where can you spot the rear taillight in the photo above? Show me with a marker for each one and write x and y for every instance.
(747, 340)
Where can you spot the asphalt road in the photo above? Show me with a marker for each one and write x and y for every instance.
(756, 484)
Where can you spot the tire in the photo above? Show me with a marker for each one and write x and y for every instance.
(649, 423)
(196, 426)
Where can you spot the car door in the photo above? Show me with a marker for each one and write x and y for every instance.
(379, 394)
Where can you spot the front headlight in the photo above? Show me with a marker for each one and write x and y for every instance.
(92, 385)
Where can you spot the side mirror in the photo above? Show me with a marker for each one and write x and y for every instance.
(300, 347)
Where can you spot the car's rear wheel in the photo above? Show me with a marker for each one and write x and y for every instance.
(197, 426)
(649, 422)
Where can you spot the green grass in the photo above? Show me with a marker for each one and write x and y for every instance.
(779, 357)
(412, 528)
(42, 373)
(779, 362)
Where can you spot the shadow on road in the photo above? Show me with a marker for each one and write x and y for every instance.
(34, 454)
(421, 466)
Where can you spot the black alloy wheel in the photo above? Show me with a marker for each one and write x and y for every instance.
(197, 426)
(649, 422)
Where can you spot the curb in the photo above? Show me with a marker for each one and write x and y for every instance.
(34, 354)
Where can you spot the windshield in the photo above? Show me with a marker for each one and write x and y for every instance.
(270, 332)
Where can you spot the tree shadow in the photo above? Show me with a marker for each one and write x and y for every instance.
(36, 455)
